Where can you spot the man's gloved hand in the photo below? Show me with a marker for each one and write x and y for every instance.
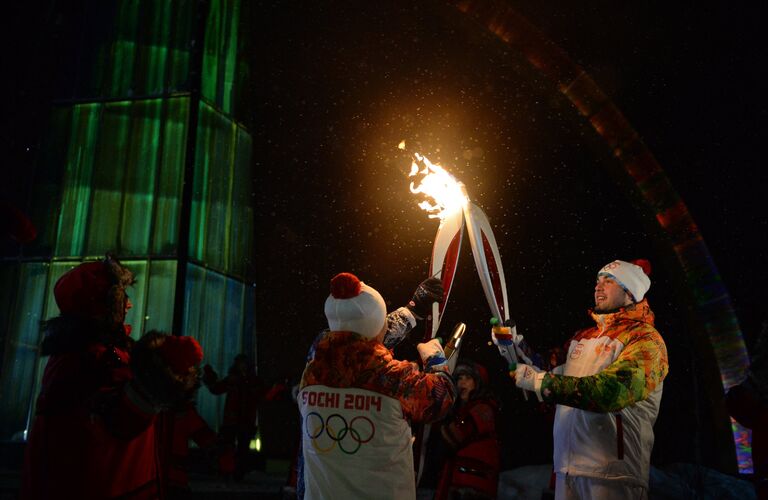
(507, 336)
(430, 290)
(528, 377)
(432, 356)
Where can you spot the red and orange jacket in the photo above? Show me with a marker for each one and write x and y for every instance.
(608, 393)
(356, 403)
(346, 360)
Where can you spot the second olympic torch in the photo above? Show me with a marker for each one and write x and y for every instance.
(453, 208)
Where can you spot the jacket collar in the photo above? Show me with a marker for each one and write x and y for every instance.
(639, 312)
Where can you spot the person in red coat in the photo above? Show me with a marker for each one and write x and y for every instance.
(471, 468)
(245, 391)
(93, 434)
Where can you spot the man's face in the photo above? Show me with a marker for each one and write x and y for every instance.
(466, 385)
(609, 295)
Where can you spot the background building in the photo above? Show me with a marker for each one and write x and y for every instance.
(146, 155)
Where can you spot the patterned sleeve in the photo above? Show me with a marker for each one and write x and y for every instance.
(638, 370)
(399, 323)
(425, 397)
(313, 347)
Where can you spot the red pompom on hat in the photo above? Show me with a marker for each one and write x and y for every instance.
(345, 286)
(644, 264)
(181, 353)
(355, 307)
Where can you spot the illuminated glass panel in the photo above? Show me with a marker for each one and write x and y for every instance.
(221, 223)
(219, 159)
(161, 290)
(76, 197)
(214, 314)
(21, 348)
(141, 167)
(122, 180)
(108, 180)
(122, 56)
(232, 328)
(136, 48)
(241, 236)
(220, 55)
(170, 177)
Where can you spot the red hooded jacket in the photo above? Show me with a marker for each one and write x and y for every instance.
(88, 439)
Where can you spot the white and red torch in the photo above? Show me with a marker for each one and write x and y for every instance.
(448, 201)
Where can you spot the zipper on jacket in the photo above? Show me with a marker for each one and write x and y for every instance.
(619, 436)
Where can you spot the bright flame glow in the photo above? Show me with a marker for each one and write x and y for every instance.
(446, 193)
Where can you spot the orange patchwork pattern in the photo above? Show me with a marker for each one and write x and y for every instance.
(345, 359)
(640, 367)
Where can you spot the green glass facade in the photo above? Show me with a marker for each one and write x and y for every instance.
(110, 178)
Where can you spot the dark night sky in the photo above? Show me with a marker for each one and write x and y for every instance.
(336, 85)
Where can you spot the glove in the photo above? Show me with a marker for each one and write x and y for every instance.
(430, 290)
(528, 377)
(507, 336)
(432, 356)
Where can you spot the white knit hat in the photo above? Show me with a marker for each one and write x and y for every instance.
(353, 306)
(631, 276)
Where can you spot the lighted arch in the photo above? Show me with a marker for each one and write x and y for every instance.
(710, 295)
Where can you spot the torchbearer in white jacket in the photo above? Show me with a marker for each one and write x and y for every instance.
(607, 391)
(357, 402)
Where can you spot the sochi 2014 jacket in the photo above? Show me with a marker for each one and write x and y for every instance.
(608, 394)
(356, 402)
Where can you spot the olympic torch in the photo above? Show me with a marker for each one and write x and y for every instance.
(453, 208)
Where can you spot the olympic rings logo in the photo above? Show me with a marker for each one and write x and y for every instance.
(327, 433)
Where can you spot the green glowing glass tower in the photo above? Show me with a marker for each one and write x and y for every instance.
(146, 156)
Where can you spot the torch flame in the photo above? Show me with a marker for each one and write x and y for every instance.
(447, 194)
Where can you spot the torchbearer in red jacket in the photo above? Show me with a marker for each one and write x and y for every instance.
(93, 434)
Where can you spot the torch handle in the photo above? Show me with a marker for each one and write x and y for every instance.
(435, 318)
